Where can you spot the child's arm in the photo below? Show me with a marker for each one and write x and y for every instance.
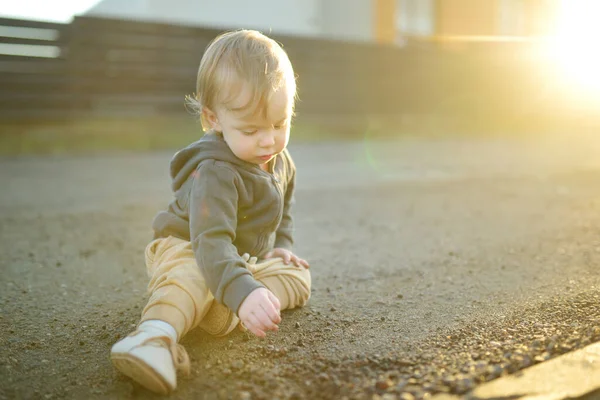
(213, 222)
(284, 235)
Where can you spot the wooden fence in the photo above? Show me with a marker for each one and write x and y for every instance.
(107, 68)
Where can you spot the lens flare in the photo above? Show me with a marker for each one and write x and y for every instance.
(575, 43)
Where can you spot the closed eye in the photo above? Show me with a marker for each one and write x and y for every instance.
(280, 125)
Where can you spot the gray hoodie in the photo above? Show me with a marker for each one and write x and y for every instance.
(227, 207)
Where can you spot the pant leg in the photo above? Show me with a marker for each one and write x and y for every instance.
(179, 294)
(289, 283)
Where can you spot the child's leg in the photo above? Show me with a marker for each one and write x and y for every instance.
(179, 293)
(289, 283)
(179, 300)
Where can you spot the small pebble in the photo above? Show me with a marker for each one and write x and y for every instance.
(383, 384)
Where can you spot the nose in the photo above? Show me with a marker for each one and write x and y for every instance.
(267, 138)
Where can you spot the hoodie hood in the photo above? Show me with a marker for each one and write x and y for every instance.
(211, 146)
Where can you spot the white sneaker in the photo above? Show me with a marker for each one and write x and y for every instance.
(150, 360)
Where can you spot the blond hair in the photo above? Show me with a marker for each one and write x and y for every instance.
(236, 58)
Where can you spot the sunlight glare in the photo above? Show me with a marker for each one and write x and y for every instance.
(576, 41)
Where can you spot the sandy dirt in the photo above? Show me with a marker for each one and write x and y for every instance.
(437, 264)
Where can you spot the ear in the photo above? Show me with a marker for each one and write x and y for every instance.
(211, 118)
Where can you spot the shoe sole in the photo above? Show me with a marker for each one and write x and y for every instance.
(141, 373)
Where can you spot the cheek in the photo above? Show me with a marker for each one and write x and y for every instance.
(244, 144)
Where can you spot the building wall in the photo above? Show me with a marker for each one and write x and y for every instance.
(475, 17)
(354, 20)
(313, 18)
(339, 20)
(416, 17)
(526, 17)
(511, 19)
(466, 17)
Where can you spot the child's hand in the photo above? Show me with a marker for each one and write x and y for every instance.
(260, 312)
(288, 257)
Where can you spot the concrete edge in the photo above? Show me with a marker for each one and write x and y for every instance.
(570, 375)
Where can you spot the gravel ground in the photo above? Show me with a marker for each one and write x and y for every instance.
(437, 265)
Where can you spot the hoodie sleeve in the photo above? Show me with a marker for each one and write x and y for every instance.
(213, 222)
(284, 236)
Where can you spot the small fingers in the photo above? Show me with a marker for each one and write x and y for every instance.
(264, 321)
(276, 303)
(299, 262)
(272, 312)
(253, 325)
(287, 258)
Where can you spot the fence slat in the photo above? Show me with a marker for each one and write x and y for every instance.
(26, 23)
(28, 41)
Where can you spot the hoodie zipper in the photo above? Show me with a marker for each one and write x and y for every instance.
(275, 181)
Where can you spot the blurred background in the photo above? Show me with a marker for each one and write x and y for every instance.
(101, 74)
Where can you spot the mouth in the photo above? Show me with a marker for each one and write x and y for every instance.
(265, 158)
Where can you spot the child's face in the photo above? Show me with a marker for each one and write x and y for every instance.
(255, 138)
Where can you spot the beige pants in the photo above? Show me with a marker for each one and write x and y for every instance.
(180, 296)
